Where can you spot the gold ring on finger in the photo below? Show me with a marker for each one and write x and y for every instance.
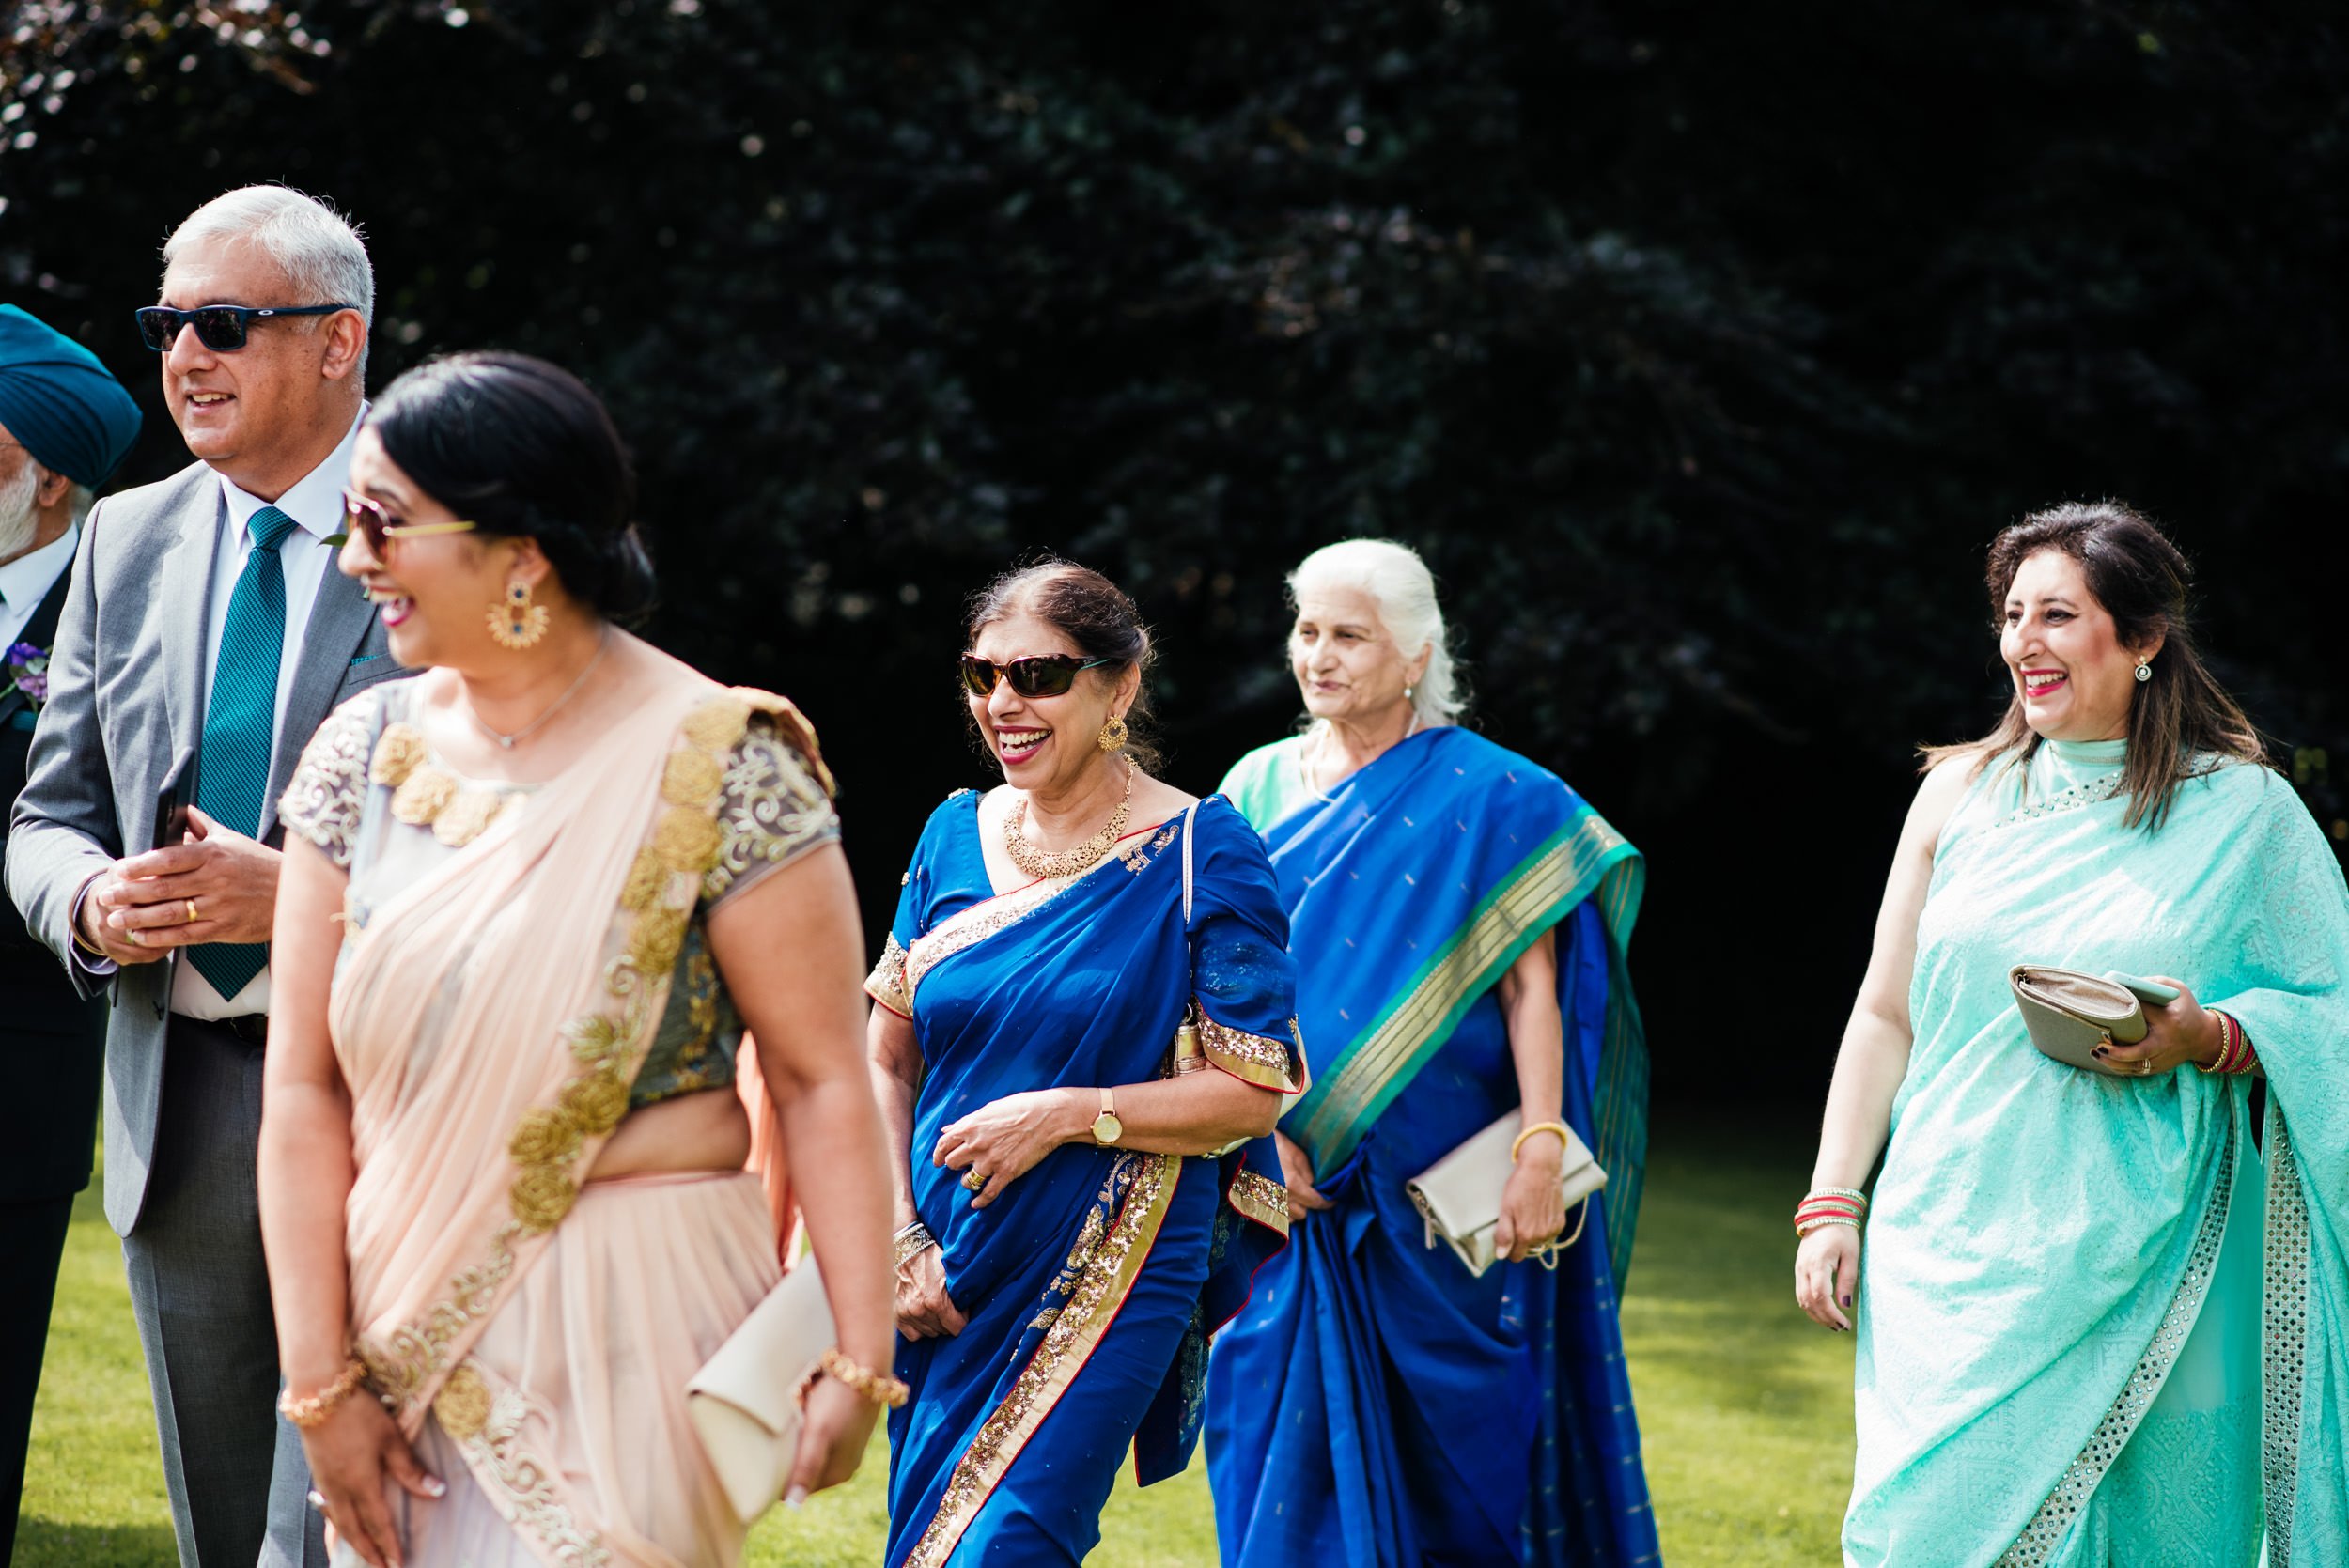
(974, 1181)
(191, 911)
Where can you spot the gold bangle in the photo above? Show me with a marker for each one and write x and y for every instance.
(879, 1388)
(1566, 1136)
(910, 1243)
(310, 1409)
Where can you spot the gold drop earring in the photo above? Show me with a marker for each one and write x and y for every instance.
(515, 621)
(1112, 733)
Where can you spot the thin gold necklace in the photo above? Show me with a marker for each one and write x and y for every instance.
(1045, 864)
(603, 640)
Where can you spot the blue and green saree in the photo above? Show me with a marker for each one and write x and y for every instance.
(1092, 1283)
(1361, 1408)
(2106, 1320)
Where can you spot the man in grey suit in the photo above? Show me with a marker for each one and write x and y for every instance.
(205, 627)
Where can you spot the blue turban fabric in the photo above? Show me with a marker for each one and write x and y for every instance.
(60, 403)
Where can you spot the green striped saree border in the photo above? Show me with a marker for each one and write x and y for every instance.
(1587, 853)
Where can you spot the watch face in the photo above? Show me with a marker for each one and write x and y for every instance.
(1107, 1129)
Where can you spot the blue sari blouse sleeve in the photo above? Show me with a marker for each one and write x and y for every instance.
(1242, 976)
(916, 896)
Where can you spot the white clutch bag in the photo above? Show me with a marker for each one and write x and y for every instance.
(1459, 1196)
(741, 1402)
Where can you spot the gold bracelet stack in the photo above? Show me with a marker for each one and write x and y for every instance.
(1829, 1205)
(311, 1410)
(1566, 1136)
(910, 1242)
(879, 1387)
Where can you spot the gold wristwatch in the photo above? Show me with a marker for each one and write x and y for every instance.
(1107, 1129)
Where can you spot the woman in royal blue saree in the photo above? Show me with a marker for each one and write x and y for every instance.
(1083, 1195)
(2103, 1317)
(1458, 917)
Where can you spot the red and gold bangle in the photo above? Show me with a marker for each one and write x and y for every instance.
(1831, 1205)
(2235, 1055)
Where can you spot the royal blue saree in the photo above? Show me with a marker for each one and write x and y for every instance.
(1360, 1408)
(1092, 1283)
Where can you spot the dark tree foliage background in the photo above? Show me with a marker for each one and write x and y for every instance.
(1701, 348)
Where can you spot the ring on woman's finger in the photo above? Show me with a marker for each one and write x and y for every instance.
(191, 915)
(318, 1499)
(972, 1180)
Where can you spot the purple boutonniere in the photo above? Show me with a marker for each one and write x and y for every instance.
(29, 671)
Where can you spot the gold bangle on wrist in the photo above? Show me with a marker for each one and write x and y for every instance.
(309, 1410)
(881, 1390)
(1566, 1136)
(910, 1242)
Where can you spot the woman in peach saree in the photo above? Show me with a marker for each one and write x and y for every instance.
(530, 900)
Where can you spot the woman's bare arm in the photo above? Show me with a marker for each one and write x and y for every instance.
(895, 1058)
(790, 950)
(305, 1168)
(1874, 1053)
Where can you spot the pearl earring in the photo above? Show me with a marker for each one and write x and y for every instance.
(2144, 670)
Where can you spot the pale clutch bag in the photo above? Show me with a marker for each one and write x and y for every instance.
(744, 1403)
(1459, 1196)
(2071, 1014)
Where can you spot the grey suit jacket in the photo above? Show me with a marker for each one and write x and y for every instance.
(125, 684)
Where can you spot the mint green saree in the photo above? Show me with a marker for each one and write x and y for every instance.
(2100, 1322)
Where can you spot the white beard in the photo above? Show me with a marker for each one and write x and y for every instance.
(20, 511)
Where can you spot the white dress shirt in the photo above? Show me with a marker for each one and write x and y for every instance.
(315, 504)
(26, 580)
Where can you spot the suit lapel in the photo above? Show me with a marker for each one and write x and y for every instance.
(41, 632)
(339, 618)
(183, 593)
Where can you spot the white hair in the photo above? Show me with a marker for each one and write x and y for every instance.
(320, 251)
(1399, 583)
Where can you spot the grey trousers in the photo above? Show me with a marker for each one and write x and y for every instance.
(199, 1289)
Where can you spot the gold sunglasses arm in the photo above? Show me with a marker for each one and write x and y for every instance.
(425, 530)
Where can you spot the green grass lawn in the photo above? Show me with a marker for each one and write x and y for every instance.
(1744, 1408)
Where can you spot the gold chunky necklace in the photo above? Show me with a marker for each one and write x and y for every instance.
(1043, 865)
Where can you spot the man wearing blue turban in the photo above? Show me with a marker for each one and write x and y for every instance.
(65, 426)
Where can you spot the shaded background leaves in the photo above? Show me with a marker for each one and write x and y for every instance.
(1701, 349)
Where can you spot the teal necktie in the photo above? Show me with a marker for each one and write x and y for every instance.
(240, 722)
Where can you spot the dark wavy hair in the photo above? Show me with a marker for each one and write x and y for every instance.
(1091, 612)
(522, 447)
(2180, 716)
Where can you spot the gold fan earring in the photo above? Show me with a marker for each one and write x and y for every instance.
(515, 621)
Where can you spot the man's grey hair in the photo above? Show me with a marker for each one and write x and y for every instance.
(320, 251)
(82, 498)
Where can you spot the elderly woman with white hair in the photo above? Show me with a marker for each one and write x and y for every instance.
(1457, 915)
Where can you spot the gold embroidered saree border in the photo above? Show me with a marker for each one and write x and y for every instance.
(1261, 1199)
(2056, 1515)
(1257, 1058)
(487, 1426)
(2284, 1336)
(1375, 1071)
(968, 927)
(553, 1143)
(1083, 1319)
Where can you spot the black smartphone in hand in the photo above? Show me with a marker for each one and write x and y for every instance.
(173, 800)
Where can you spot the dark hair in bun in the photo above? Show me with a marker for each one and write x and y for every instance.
(522, 447)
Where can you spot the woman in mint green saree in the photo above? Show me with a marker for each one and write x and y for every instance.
(2105, 1315)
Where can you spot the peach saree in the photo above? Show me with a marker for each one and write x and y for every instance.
(533, 1331)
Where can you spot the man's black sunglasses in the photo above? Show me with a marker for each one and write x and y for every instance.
(220, 328)
(1046, 674)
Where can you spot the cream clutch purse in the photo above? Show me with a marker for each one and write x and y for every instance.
(2070, 1014)
(1459, 1196)
(743, 1403)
